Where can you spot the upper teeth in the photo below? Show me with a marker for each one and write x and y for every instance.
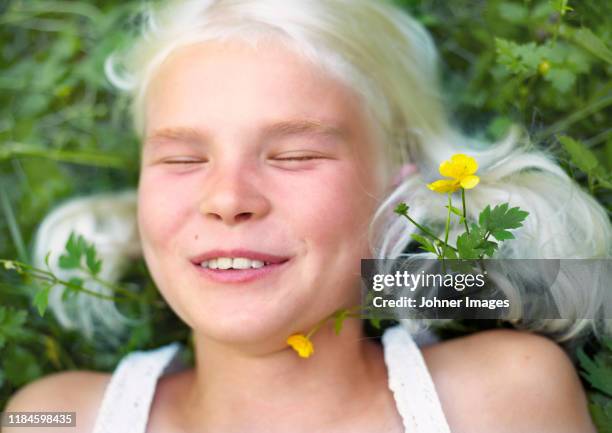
(234, 263)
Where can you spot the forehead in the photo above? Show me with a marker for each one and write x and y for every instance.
(235, 84)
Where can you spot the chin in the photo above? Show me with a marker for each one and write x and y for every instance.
(244, 328)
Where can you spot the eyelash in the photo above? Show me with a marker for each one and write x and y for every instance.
(181, 162)
(298, 158)
(295, 158)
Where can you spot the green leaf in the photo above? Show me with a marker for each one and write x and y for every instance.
(449, 253)
(484, 216)
(590, 42)
(499, 127)
(519, 58)
(501, 218)
(601, 412)
(69, 262)
(580, 155)
(375, 322)
(608, 155)
(474, 245)
(488, 247)
(597, 372)
(71, 245)
(81, 245)
(93, 264)
(424, 242)
(560, 6)
(20, 366)
(561, 79)
(455, 210)
(73, 250)
(41, 300)
(468, 243)
(513, 12)
(12, 322)
(509, 55)
(339, 318)
(502, 235)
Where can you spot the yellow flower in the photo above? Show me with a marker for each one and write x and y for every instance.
(460, 168)
(544, 67)
(301, 344)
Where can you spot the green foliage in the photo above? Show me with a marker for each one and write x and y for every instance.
(425, 244)
(64, 132)
(41, 299)
(339, 318)
(495, 222)
(474, 243)
(77, 248)
(598, 370)
(586, 160)
(11, 323)
(498, 221)
(538, 63)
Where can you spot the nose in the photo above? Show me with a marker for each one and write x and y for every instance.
(233, 194)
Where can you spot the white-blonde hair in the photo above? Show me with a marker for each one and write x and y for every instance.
(390, 61)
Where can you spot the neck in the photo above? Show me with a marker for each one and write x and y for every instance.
(279, 391)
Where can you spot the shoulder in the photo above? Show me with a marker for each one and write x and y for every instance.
(504, 380)
(70, 391)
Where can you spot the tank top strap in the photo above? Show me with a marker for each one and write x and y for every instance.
(129, 393)
(412, 386)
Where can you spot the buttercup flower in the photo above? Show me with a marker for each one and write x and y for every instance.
(544, 67)
(301, 344)
(460, 168)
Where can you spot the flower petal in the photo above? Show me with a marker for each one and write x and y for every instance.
(444, 185)
(301, 344)
(449, 169)
(468, 164)
(458, 166)
(469, 182)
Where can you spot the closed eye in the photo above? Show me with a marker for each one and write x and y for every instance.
(298, 158)
(182, 161)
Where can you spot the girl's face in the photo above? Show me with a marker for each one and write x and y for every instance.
(260, 151)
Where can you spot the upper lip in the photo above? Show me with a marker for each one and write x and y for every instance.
(239, 252)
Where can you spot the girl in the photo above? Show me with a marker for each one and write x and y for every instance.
(271, 132)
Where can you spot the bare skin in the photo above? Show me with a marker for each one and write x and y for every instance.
(538, 391)
(215, 174)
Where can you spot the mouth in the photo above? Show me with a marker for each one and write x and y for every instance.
(234, 275)
(238, 266)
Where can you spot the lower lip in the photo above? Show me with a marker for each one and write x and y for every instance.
(240, 275)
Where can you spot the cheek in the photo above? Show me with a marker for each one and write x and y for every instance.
(333, 210)
(162, 208)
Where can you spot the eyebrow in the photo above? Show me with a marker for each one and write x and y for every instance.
(276, 130)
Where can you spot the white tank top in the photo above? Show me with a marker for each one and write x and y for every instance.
(129, 393)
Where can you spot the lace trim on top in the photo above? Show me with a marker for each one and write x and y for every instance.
(415, 395)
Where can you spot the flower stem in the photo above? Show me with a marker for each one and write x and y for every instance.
(316, 327)
(426, 231)
(467, 229)
(114, 288)
(447, 228)
(49, 277)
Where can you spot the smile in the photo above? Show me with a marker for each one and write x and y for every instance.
(236, 270)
